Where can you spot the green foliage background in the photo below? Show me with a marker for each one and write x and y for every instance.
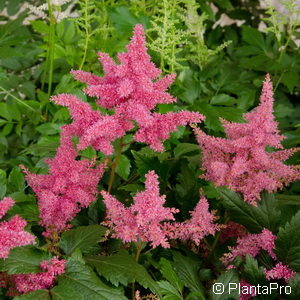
(219, 73)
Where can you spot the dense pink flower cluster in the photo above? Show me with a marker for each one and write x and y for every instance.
(241, 161)
(280, 271)
(197, 227)
(251, 244)
(25, 283)
(148, 220)
(70, 185)
(12, 232)
(130, 88)
(143, 220)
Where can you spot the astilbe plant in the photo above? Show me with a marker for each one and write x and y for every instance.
(70, 185)
(12, 232)
(147, 220)
(241, 160)
(132, 89)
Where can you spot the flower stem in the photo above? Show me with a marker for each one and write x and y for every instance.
(51, 46)
(87, 34)
(139, 247)
(114, 165)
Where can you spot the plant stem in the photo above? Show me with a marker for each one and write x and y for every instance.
(87, 34)
(139, 247)
(114, 165)
(51, 46)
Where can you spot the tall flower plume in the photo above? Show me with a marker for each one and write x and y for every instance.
(241, 161)
(12, 232)
(251, 244)
(149, 221)
(144, 219)
(132, 89)
(70, 185)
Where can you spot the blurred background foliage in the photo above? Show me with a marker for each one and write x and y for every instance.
(220, 50)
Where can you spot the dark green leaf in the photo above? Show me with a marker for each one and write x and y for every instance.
(122, 268)
(24, 260)
(288, 243)
(83, 238)
(80, 282)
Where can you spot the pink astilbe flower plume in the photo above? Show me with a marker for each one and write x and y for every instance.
(197, 227)
(251, 244)
(280, 271)
(25, 283)
(144, 219)
(241, 161)
(12, 232)
(132, 89)
(70, 185)
(90, 126)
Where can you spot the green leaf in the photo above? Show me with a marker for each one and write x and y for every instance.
(123, 167)
(290, 79)
(187, 270)
(36, 295)
(184, 148)
(24, 260)
(167, 270)
(253, 37)
(122, 268)
(288, 243)
(168, 291)
(48, 128)
(228, 283)
(254, 218)
(223, 99)
(252, 272)
(83, 238)
(16, 180)
(80, 282)
(2, 183)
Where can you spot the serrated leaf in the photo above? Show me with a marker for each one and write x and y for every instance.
(252, 272)
(187, 269)
(122, 268)
(80, 282)
(254, 218)
(227, 280)
(123, 167)
(36, 295)
(168, 291)
(83, 238)
(24, 260)
(287, 244)
(167, 270)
